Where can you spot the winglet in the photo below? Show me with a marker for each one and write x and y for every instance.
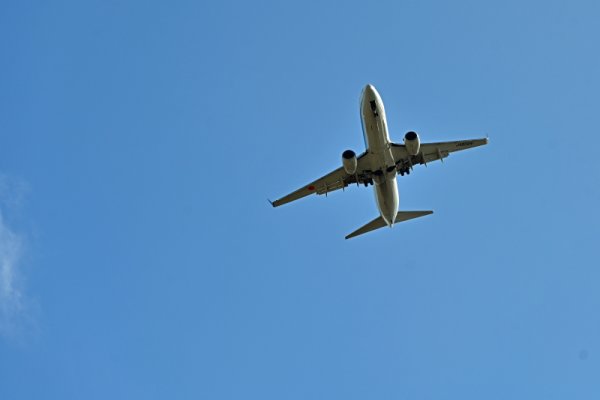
(270, 202)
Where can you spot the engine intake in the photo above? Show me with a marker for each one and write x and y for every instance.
(412, 143)
(349, 162)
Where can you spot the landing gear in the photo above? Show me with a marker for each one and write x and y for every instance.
(374, 108)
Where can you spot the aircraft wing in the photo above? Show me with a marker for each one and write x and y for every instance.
(337, 179)
(432, 151)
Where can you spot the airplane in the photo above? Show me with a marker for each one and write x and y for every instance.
(379, 165)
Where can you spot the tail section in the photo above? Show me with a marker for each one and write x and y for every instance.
(371, 226)
(406, 215)
(380, 223)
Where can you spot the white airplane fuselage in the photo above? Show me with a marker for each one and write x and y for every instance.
(377, 142)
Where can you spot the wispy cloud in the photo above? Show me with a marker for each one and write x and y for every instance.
(11, 302)
(13, 309)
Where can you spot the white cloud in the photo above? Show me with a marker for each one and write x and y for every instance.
(11, 305)
(13, 313)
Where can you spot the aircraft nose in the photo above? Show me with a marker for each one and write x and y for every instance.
(370, 92)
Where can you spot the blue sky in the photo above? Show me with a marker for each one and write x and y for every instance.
(140, 259)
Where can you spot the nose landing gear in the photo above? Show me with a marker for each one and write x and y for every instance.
(374, 108)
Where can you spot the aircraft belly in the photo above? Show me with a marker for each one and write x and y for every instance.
(376, 135)
(377, 139)
(386, 196)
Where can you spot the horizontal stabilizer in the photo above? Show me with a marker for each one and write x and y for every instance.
(380, 222)
(406, 215)
(371, 226)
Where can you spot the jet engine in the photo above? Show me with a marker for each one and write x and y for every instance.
(411, 141)
(349, 162)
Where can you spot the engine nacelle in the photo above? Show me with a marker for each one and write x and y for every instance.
(349, 162)
(412, 143)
